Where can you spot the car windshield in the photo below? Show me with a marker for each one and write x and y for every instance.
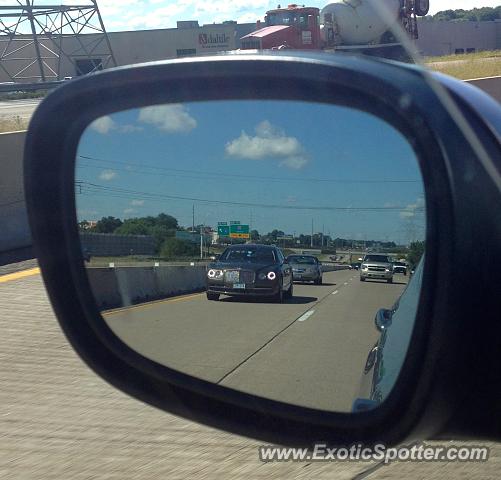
(251, 255)
(303, 260)
(377, 258)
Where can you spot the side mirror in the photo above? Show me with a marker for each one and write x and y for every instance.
(382, 319)
(251, 137)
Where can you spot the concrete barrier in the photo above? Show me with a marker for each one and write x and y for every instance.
(124, 286)
(490, 85)
(14, 219)
(326, 267)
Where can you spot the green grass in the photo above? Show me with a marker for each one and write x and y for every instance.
(468, 66)
(4, 97)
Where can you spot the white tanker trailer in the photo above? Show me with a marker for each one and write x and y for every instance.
(361, 25)
(350, 23)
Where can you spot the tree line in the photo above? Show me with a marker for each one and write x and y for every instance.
(482, 14)
(162, 228)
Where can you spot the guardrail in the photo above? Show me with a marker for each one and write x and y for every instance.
(9, 87)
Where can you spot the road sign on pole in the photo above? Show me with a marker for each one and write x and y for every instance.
(223, 230)
(239, 231)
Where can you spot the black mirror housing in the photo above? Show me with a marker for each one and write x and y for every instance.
(428, 400)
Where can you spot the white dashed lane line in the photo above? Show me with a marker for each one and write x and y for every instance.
(306, 315)
(335, 292)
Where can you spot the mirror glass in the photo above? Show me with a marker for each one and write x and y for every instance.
(252, 244)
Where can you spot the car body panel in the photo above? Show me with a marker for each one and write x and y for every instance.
(386, 357)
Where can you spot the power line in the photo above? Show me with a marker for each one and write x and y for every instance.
(217, 175)
(95, 189)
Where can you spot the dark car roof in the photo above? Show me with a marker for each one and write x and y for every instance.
(253, 245)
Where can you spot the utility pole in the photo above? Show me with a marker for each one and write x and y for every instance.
(193, 218)
(201, 242)
(311, 243)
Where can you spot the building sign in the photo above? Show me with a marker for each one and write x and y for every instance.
(213, 40)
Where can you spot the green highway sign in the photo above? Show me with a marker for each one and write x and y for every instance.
(239, 231)
(223, 230)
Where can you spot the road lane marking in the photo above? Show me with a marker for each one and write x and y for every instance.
(17, 275)
(346, 283)
(306, 315)
(335, 292)
(149, 304)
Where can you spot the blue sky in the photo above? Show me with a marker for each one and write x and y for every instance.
(272, 164)
(146, 14)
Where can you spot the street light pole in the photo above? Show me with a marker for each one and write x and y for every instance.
(201, 243)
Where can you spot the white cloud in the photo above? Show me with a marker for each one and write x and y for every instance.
(103, 125)
(129, 128)
(137, 203)
(129, 211)
(168, 118)
(269, 142)
(413, 208)
(107, 175)
(106, 124)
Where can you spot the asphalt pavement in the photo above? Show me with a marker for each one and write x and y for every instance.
(310, 350)
(58, 419)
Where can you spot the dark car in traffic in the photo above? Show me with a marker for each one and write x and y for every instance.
(305, 268)
(250, 270)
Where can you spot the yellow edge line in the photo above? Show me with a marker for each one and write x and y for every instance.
(149, 304)
(17, 275)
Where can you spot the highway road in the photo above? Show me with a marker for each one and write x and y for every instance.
(310, 350)
(58, 419)
(18, 108)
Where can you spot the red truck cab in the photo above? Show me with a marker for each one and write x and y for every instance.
(292, 27)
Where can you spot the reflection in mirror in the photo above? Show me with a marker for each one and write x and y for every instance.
(252, 244)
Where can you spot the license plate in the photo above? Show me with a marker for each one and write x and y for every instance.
(239, 285)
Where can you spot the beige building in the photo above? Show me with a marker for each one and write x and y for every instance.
(128, 47)
(17, 57)
(446, 38)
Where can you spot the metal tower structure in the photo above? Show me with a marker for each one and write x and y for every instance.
(39, 40)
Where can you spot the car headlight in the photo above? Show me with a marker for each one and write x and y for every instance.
(261, 276)
(365, 267)
(213, 273)
(271, 275)
(388, 269)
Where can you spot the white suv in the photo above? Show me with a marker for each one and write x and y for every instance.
(378, 266)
